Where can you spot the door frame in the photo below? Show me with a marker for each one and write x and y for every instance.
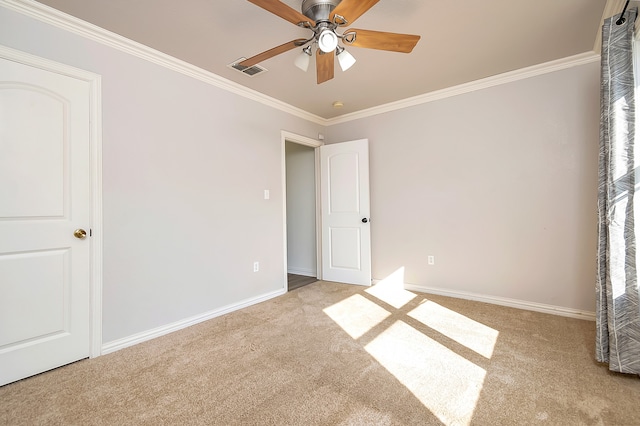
(95, 184)
(285, 137)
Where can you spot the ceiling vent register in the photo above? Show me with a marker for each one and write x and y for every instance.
(251, 71)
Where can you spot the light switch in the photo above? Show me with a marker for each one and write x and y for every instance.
(266, 194)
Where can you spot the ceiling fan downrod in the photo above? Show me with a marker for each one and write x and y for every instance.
(319, 10)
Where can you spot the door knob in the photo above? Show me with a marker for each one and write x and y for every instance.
(80, 233)
(365, 220)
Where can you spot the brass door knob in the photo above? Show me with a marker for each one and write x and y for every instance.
(80, 233)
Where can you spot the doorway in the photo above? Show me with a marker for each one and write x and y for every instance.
(301, 205)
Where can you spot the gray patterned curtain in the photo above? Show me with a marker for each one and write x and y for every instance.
(617, 304)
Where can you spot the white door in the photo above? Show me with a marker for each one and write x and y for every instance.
(346, 236)
(44, 198)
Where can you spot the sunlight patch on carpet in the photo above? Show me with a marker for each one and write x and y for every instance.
(446, 383)
(391, 290)
(472, 334)
(356, 315)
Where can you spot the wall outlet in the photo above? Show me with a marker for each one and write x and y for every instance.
(256, 266)
(431, 260)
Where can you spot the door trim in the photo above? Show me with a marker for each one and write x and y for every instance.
(285, 137)
(95, 176)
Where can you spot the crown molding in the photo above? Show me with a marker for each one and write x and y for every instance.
(77, 26)
(496, 80)
(87, 30)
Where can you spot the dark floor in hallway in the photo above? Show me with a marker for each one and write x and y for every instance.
(297, 281)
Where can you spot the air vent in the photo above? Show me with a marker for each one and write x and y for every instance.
(250, 71)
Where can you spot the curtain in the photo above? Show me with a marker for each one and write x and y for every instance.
(617, 302)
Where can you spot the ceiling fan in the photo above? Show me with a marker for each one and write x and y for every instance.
(324, 17)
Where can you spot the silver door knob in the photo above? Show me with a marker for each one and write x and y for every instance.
(80, 233)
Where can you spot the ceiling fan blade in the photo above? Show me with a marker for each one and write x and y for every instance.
(282, 10)
(384, 41)
(272, 52)
(352, 9)
(324, 66)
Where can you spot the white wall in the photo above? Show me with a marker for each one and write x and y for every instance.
(185, 165)
(301, 209)
(498, 184)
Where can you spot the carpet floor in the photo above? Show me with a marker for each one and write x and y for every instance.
(335, 354)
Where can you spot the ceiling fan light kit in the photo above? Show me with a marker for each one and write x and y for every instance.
(345, 59)
(323, 18)
(327, 41)
(303, 59)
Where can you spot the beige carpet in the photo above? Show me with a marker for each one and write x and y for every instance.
(334, 354)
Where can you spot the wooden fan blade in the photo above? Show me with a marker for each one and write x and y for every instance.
(384, 41)
(352, 9)
(282, 10)
(271, 52)
(324, 66)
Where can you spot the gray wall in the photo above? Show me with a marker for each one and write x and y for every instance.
(301, 209)
(498, 184)
(185, 165)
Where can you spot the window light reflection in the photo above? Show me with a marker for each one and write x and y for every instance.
(391, 290)
(356, 315)
(446, 383)
(472, 334)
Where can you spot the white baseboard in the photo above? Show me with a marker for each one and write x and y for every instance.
(513, 303)
(301, 271)
(134, 339)
(116, 345)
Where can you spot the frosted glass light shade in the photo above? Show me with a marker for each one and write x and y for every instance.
(346, 60)
(302, 61)
(327, 41)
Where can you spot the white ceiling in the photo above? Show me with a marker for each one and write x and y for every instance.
(461, 41)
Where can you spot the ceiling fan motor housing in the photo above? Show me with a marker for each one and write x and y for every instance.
(318, 10)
